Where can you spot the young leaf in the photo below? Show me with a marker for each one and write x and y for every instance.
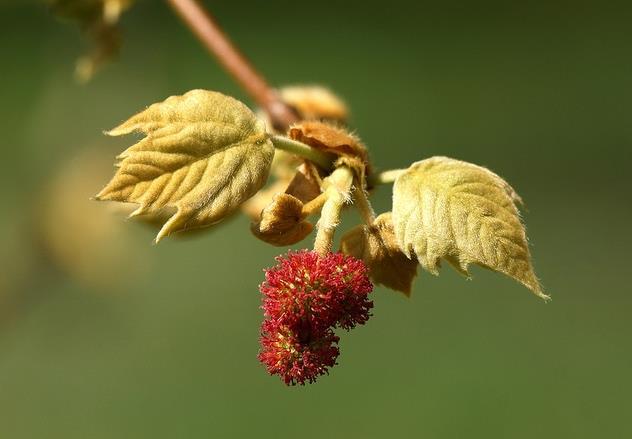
(204, 154)
(446, 208)
(376, 246)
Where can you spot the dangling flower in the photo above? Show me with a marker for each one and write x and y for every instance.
(329, 291)
(299, 354)
(306, 296)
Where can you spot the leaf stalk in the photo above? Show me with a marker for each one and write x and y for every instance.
(385, 177)
(322, 159)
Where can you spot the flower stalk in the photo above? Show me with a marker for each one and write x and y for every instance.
(338, 192)
(361, 201)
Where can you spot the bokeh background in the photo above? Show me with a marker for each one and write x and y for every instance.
(104, 335)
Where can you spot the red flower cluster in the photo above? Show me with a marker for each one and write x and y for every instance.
(305, 297)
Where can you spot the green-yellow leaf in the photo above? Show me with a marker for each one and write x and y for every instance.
(446, 208)
(204, 154)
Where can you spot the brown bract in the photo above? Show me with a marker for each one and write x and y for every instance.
(377, 247)
(330, 138)
(282, 222)
(291, 174)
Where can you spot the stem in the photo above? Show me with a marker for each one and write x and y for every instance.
(322, 159)
(385, 177)
(314, 206)
(217, 42)
(361, 201)
(337, 193)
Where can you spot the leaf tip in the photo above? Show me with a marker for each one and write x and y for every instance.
(112, 133)
(430, 267)
(531, 281)
(138, 211)
(173, 224)
(538, 292)
(163, 233)
(101, 196)
(120, 130)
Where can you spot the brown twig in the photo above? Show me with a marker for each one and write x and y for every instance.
(217, 42)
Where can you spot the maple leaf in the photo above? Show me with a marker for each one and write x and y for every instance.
(464, 213)
(204, 154)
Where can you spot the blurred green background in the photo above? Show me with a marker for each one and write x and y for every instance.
(103, 335)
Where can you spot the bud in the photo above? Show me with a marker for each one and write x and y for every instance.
(282, 222)
(314, 102)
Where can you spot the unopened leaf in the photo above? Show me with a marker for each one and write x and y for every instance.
(314, 102)
(204, 154)
(306, 183)
(446, 208)
(290, 176)
(376, 246)
(282, 222)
